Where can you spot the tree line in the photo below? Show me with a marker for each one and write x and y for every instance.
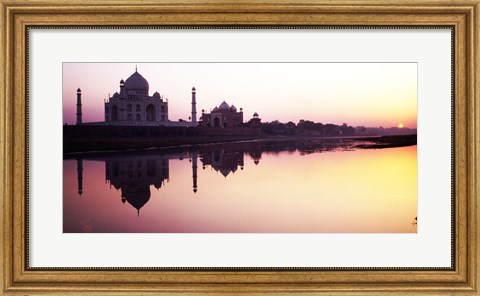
(308, 127)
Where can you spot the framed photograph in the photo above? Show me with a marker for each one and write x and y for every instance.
(305, 147)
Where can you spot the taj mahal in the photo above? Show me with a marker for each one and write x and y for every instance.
(132, 105)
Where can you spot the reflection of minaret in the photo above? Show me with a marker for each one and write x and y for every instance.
(194, 170)
(194, 107)
(79, 106)
(80, 176)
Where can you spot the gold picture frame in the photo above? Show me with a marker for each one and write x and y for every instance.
(19, 15)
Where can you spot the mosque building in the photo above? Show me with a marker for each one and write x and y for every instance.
(224, 116)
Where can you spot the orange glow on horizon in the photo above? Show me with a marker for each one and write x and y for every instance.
(359, 94)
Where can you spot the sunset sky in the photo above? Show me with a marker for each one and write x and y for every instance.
(359, 94)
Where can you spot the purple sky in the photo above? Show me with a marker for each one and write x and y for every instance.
(369, 94)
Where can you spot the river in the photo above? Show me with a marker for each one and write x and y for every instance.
(317, 186)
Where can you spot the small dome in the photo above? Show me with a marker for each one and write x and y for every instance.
(255, 114)
(215, 109)
(137, 83)
(122, 82)
(233, 108)
(224, 106)
(79, 90)
(156, 94)
(116, 95)
(193, 88)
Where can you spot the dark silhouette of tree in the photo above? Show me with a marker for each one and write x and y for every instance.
(311, 128)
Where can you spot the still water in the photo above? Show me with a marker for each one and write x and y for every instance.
(323, 186)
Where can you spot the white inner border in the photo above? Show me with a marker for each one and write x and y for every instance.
(430, 247)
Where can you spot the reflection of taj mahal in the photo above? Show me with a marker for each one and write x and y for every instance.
(134, 175)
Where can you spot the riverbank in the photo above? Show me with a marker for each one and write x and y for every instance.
(131, 143)
(109, 142)
(87, 138)
(388, 142)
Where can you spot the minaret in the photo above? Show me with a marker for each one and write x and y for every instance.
(79, 106)
(194, 107)
(194, 171)
(122, 87)
(80, 176)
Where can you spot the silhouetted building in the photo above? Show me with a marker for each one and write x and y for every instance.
(223, 116)
(255, 121)
(133, 104)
